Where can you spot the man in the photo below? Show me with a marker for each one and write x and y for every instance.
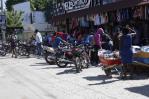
(13, 45)
(57, 40)
(38, 42)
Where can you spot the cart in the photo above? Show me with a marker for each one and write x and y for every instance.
(109, 64)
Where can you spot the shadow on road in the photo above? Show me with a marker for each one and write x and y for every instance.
(102, 78)
(143, 90)
(40, 64)
(68, 71)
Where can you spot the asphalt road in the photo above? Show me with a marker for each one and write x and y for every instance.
(32, 78)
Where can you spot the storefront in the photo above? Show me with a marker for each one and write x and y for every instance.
(109, 15)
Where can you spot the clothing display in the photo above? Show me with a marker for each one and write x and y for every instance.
(74, 23)
(84, 22)
(138, 12)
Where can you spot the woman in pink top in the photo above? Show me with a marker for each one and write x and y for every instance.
(98, 38)
(97, 46)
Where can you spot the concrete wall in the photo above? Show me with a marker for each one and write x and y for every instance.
(24, 7)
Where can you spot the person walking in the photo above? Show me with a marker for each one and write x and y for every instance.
(38, 42)
(126, 50)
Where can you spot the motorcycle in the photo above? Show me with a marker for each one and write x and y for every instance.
(49, 54)
(2, 51)
(67, 54)
(24, 49)
(71, 55)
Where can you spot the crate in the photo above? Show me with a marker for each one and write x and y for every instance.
(108, 61)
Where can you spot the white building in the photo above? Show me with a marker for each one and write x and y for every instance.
(32, 19)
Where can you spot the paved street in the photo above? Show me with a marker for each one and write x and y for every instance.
(32, 78)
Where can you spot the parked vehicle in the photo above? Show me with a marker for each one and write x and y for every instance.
(2, 50)
(7, 47)
(49, 54)
(71, 55)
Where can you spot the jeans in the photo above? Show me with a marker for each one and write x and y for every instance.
(39, 49)
(94, 55)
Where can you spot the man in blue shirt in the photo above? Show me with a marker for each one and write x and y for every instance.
(57, 42)
(88, 39)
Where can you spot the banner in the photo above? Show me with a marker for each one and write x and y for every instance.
(75, 5)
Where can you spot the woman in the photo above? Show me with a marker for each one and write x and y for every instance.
(107, 42)
(116, 41)
(126, 49)
(97, 45)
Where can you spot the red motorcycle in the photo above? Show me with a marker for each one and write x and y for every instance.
(70, 55)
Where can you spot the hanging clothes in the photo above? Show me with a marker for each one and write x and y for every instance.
(138, 12)
(118, 14)
(74, 23)
(84, 22)
(97, 19)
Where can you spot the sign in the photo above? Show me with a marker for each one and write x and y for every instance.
(70, 6)
(58, 9)
(75, 5)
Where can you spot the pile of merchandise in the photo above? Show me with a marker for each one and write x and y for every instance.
(141, 54)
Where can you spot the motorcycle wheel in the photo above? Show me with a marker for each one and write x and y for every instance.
(78, 64)
(85, 61)
(49, 61)
(3, 53)
(61, 64)
(21, 51)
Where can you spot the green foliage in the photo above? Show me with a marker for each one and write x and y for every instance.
(14, 19)
(39, 5)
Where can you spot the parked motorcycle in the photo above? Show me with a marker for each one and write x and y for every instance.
(49, 54)
(67, 54)
(2, 51)
(24, 49)
(71, 55)
(7, 47)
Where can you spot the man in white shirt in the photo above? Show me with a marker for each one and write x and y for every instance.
(38, 42)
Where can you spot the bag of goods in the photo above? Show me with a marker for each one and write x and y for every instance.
(109, 57)
(136, 49)
(143, 55)
(101, 53)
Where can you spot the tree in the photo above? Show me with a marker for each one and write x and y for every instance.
(40, 5)
(10, 3)
(14, 18)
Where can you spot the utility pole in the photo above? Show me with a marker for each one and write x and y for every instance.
(1, 5)
(3, 22)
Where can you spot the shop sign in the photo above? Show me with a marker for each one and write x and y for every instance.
(58, 9)
(75, 5)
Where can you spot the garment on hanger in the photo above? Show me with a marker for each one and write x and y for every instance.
(97, 20)
(84, 22)
(74, 23)
(118, 14)
(138, 12)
